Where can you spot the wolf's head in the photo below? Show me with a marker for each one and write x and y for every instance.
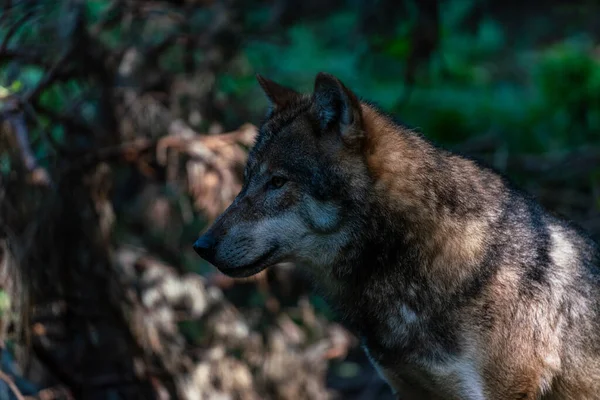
(305, 185)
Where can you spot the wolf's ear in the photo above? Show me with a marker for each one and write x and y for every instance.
(277, 94)
(337, 105)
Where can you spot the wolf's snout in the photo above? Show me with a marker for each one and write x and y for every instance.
(206, 247)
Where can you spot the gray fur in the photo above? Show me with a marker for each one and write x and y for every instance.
(459, 285)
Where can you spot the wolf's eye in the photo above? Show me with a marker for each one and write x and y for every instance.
(276, 182)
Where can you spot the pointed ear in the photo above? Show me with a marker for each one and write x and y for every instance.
(338, 106)
(277, 94)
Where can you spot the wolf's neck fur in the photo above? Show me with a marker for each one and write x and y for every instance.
(429, 207)
(438, 195)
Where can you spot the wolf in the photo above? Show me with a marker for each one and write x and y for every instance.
(458, 284)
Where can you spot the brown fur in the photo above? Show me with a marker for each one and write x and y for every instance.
(452, 243)
(459, 285)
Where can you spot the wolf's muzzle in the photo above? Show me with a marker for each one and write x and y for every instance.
(206, 247)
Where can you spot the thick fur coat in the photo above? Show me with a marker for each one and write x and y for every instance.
(459, 285)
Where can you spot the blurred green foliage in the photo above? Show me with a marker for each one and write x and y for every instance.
(536, 97)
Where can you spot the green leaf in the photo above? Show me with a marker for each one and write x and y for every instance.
(16, 86)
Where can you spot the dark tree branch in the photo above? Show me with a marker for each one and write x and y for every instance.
(13, 29)
(23, 55)
(109, 18)
(47, 80)
(7, 10)
(128, 150)
(69, 121)
(56, 146)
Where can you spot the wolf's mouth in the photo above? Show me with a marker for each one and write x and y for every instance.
(252, 268)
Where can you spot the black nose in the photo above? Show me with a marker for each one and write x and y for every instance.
(205, 246)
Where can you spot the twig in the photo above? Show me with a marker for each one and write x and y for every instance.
(128, 150)
(63, 119)
(14, 29)
(150, 8)
(69, 120)
(39, 174)
(20, 131)
(7, 10)
(108, 17)
(48, 79)
(26, 56)
(154, 51)
(11, 384)
(57, 147)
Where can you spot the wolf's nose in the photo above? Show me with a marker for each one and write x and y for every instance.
(205, 247)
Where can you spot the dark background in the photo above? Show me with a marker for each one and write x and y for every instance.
(124, 130)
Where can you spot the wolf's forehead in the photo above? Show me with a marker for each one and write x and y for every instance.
(279, 120)
(293, 150)
(290, 139)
